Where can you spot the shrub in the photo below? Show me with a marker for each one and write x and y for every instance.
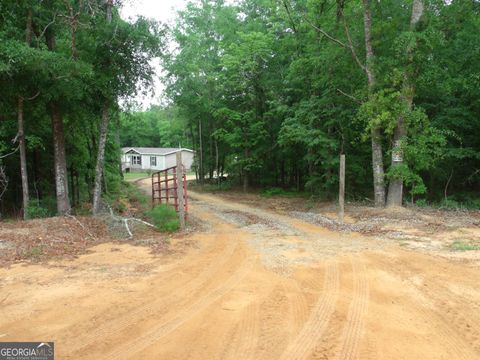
(463, 246)
(37, 210)
(165, 218)
(421, 203)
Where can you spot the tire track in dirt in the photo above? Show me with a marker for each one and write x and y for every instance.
(355, 327)
(304, 344)
(428, 308)
(132, 317)
(449, 304)
(245, 337)
(273, 323)
(128, 349)
(448, 335)
(299, 308)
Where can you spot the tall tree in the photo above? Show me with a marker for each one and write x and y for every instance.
(60, 167)
(377, 152)
(395, 189)
(97, 190)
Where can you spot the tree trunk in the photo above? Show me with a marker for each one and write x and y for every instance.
(246, 174)
(395, 188)
(21, 132)
(109, 11)
(245, 181)
(97, 190)
(77, 186)
(377, 153)
(72, 186)
(23, 157)
(99, 178)
(37, 175)
(61, 181)
(117, 142)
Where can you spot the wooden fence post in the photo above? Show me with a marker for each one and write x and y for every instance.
(181, 202)
(341, 190)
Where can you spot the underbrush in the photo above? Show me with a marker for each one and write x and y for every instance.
(41, 208)
(211, 186)
(129, 201)
(133, 202)
(276, 191)
(453, 203)
(165, 218)
(464, 246)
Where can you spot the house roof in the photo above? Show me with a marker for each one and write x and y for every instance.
(153, 151)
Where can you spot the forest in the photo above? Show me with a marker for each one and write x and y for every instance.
(268, 93)
(273, 92)
(65, 69)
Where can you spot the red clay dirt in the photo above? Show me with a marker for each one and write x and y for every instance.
(255, 284)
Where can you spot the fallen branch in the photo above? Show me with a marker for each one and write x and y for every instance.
(141, 221)
(130, 235)
(126, 220)
(83, 226)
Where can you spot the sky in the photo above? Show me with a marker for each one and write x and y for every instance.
(162, 10)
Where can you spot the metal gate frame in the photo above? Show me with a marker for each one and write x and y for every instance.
(164, 194)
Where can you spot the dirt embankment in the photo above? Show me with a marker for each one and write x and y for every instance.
(255, 284)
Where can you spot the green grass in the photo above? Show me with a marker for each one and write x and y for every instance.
(132, 176)
(463, 246)
(165, 218)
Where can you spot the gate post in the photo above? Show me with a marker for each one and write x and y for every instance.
(180, 193)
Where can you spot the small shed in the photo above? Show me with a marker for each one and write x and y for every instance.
(147, 158)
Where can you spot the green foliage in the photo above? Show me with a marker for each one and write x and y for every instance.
(129, 197)
(459, 245)
(80, 66)
(156, 127)
(275, 191)
(255, 90)
(37, 210)
(421, 203)
(382, 110)
(165, 218)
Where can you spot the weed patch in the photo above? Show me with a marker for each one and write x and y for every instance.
(165, 218)
(464, 246)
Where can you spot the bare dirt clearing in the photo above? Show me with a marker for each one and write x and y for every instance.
(257, 283)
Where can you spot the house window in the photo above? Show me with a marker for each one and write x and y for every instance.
(136, 160)
(153, 161)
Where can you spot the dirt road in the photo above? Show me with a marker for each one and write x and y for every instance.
(253, 285)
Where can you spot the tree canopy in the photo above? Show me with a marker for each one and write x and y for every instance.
(270, 92)
(276, 90)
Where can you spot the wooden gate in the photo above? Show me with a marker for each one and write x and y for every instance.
(165, 186)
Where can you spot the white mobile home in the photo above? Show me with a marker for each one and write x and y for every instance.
(143, 158)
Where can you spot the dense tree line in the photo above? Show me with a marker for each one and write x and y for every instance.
(158, 126)
(64, 67)
(269, 92)
(272, 91)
